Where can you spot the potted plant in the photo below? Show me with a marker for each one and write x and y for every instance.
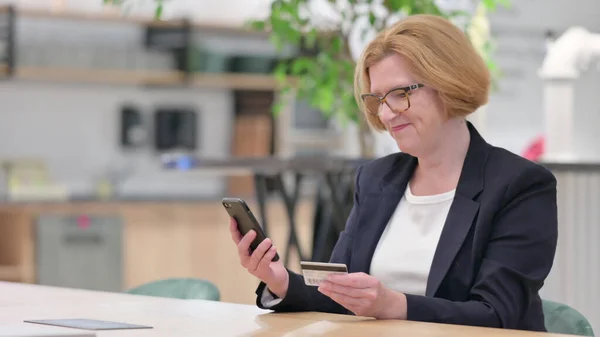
(323, 72)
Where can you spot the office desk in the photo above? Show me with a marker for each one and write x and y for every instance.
(177, 318)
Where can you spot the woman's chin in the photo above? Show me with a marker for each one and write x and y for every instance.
(407, 147)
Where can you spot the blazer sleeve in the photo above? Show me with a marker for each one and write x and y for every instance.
(301, 297)
(518, 258)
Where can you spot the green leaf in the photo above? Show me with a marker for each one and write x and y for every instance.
(336, 44)
(458, 13)
(159, 11)
(323, 57)
(275, 5)
(311, 38)
(276, 41)
(325, 100)
(394, 5)
(281, 100)
(280, 72)
(430, 7)
(284, 28)
(258, 25)
(291, 10)
(277, 107)
(489, 4)
(492, 66)
(372, 18)
(302, 65)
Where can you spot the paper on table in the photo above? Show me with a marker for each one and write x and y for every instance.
(88, 324)
(29, 330)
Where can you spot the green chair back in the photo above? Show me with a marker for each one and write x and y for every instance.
(181, 288)
(562, 319)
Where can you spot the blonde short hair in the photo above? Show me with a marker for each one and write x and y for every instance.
(439, 55)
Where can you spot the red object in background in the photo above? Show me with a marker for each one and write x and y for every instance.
(535, 150)
(83, 221)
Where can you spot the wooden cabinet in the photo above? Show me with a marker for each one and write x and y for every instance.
(253, 135)
(79, 251)
(159, 240)
(16, 242)
(252, 138)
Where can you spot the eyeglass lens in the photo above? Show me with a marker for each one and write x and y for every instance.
(396, 100)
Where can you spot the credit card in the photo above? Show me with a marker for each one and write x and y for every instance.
(316, 272)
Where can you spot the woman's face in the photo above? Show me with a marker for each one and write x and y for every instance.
(419, 129)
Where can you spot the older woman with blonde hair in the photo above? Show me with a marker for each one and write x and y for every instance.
(450, 230)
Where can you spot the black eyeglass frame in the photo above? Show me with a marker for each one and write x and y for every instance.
(382, 99)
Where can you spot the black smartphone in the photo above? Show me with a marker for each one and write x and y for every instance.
(246, 221)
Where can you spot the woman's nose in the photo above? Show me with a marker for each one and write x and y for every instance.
(385, 113)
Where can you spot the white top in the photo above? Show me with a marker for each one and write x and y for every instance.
(405, 250)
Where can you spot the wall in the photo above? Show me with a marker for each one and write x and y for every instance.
(75, 130)
(515, 114)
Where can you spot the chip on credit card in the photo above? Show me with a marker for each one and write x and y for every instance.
(316, 272)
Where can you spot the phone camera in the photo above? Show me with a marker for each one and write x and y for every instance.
(227, 205)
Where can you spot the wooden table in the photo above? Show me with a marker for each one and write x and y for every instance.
(176, 318)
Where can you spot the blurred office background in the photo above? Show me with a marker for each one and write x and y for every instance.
(115, 163)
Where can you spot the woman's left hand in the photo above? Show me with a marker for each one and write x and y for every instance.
(364, 295)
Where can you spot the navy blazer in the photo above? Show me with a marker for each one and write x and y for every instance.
(495, 250)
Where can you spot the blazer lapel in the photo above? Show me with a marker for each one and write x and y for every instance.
(462, 212)
(380, 205)
(459, 221)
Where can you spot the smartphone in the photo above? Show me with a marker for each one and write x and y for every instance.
(246, 221)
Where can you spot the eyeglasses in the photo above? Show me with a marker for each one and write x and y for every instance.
(396, 99)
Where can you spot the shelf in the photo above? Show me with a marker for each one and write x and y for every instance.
(167, 77)
(315, 138)
(142, 77)
(236, 81)
(136, 20)
(108, 76)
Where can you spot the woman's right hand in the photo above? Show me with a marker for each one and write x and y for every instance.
(259, 263)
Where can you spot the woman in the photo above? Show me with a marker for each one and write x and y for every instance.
(451, 230)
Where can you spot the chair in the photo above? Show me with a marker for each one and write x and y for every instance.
(181, 288)
(562, 319)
